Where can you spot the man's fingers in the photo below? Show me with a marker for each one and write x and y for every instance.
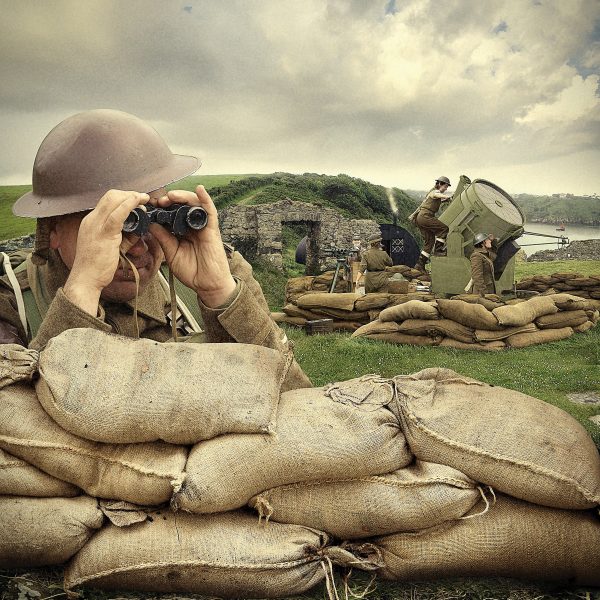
(167, 241)
(115, 199)
(200, 198)
(121, 210)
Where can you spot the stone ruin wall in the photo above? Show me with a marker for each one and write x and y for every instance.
(256, 231)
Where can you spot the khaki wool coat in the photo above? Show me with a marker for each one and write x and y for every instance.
(245, 318)
(482, 271)
(373, 264)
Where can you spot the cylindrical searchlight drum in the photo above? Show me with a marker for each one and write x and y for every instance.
(483, 207)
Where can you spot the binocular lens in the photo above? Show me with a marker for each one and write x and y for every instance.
(132, 222)
(196, 218)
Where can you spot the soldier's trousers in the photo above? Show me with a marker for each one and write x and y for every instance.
(430, 228)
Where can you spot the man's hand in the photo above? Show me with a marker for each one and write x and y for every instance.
(198, 259)
(98, 244)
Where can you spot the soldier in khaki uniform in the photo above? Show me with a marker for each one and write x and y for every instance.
(76, 275)
(432, 229)
(482, 265)
(374, 261)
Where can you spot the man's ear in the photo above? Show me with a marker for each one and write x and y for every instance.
(53, 236)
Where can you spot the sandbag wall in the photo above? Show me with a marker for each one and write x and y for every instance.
(576, 284)
(349, 311)
(260, 493)
(474, 323)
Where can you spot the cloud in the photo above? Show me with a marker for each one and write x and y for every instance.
(392, 91)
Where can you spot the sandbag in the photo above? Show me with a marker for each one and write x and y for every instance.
(376, 326)
(371, 301)
(330, 433)
(523, 340)
(295, 311)
(440, 327)
(344, 315)
(113, 389)
(227, 555)
(485, 335)
(470, 315)
(17, 363)
(525, 312)
(515, 443)
(514, 539)
(570, 302)
(403, 338)
(18, 478)
(394, 299)
(563, 318)
(584, 327)
(482, 346)
(37, 532)
(418, 496)
(278, 317)
(140, 473)
(413, 309)
(297, 321)
(344, 301)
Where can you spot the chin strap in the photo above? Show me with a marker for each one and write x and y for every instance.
(173, 300)
(136, 275)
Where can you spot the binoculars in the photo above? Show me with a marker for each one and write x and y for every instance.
(178, 218)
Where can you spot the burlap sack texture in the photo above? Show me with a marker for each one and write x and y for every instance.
(513, 539)
(523, 340)
(322, 434)
(38, 532)
(297, 286)
(113, 389)
(18, 478)
(515, 443)
(563, 318)
(141, 473)
(227, 555)
(17, 364)
(474, 316)
(491, 346)
(525, 312)
(471, 324)
(413, 309)
(571, 282)
(418, 496)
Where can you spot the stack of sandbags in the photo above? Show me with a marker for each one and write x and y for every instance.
(111, 417)
(409, 273)
(321, 435)
(541, 522)
(43, 519)
(296, 286)
(484, 324)
(225, 555)
(576, 284)
(322, 305)
(325, 474)
(349, 311)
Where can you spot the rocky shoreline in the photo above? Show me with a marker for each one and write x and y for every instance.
(577, 250)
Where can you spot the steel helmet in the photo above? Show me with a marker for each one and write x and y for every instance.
(480, 238)
(443, 179)
(92, 152)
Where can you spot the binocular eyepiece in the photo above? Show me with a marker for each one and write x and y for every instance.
(178, 218)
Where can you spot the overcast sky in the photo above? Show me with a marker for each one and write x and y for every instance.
(397, 92)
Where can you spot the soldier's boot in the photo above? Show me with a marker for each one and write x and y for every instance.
(420, 266)
(439, 247)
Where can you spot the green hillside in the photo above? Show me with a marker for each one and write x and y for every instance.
(355, 198)
(552, 209)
